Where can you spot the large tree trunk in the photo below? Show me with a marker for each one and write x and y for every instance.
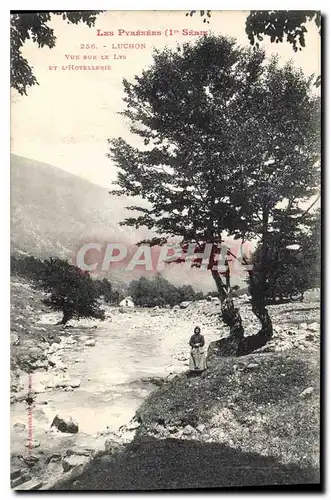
(232, 319)
(67, 315)
(236, 344)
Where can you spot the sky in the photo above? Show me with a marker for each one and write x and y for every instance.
(66, 119)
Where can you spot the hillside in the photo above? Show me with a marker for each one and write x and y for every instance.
(53, 211)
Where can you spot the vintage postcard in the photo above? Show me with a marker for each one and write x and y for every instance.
(165, 249)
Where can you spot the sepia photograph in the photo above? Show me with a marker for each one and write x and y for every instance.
(165, 250)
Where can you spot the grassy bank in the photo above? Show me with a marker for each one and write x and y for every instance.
(254, 404)
(245, 422)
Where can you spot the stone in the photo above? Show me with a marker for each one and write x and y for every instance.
(15, 473)
(90, 342)
(303, 326)
(184, 304)
(56, 339)
(67, 384)
(251, 366)
(52, 361)
(56, 457)
(306, 393)
(314, 327)
(71, 461)
(61, 366)
(33, 484)
(188, 429)
(65, 424)
(86, 452)
(19, 427)
(201, 427)
(54, 347)
(20, 480)
(71, 341)
(14, 340)
(74, 383)
(31, 460)
(132, 426)
(34, 443)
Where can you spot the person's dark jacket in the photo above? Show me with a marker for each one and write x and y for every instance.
(197, 339)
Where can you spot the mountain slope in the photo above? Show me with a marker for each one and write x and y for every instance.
(53, 211)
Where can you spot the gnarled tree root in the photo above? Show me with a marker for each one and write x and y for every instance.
(236, 344)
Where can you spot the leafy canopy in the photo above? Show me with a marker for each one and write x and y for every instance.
(34, 26)
(227, 136)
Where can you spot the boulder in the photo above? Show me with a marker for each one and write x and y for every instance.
(55, 339)
(71, 341)
(188, 429)
(33, 443)
(14, 340)
(133, 425)
(30, 460)
(74, 383)
(251, 366)
(65, 424)
(68, 383)
(184, 304)
(19, 427)
(314, 327)
(71, 461)
(89, 342)
(306, 393)
(54, 347)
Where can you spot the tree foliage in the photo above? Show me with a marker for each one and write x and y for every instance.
(71, 290)
(278, 25)
(105, 290)
(281, 25)
(228, 136)
(293, 258)
(34, 26)
(158, 291)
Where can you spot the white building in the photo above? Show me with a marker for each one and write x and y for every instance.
(127, 302)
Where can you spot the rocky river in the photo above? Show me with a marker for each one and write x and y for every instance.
(98, 373)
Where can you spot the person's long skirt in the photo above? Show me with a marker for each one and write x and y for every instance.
(197, 361)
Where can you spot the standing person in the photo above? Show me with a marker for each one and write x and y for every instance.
(197, 361)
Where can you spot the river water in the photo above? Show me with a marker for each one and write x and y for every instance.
(129, 348)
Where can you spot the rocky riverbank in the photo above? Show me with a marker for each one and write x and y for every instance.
(73, 375)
